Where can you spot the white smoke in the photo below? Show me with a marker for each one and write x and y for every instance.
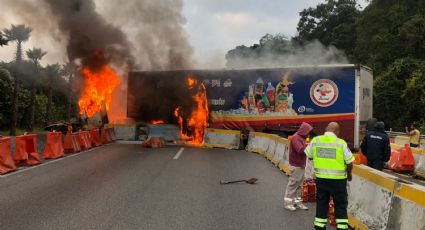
(312, 53)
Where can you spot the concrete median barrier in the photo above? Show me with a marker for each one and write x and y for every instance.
(408, 207)
(378, 201)
(370, 197)
(282, 154)
(402, 140)
(273, 147)
(220, 138)
(124, 132)
(258, 142)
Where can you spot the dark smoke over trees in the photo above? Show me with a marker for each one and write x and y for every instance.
(133, 34)
(90, 38)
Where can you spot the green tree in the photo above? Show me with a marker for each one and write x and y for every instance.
(5, 89)
(391, 40)
(399, 90)
(53, 73)
(332, 23)
(40, 108)
(18, 34)
(390, 30)
(35, 55)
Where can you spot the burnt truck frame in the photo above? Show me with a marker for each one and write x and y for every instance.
(275, 100)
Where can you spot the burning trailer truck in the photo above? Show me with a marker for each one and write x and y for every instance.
(275, 100)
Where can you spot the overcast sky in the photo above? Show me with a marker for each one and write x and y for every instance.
(215, 26)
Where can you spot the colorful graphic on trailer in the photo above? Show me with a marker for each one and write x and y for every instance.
(282, 93)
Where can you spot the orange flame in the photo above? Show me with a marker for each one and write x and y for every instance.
(190, 82)
(198, 120)
(156, 122)
(98, 89)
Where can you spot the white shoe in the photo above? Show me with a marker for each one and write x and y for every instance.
(290, 207)
(301, 206)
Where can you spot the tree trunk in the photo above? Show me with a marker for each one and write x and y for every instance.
(69, 102)
(32, 108)
(14, 118)
(49, 105)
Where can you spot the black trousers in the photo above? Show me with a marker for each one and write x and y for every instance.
(337, 189)
(376, 164)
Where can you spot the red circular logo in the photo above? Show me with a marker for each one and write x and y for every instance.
(324, 92)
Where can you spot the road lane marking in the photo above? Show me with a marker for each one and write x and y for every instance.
(28, 168)
(178, 154)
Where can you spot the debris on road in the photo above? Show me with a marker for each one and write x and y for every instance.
(250, 181)
(154, 142)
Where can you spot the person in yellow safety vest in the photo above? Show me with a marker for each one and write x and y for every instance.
(333, 162)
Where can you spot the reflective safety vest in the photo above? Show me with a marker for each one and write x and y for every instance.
(328, 157)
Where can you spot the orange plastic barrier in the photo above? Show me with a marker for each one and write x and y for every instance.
(54, 147)
(6, 162)
(71, 144)
(26, 150)
(402, 160)
(87, 138)
(95, 137)
(362, 158)
(105, 136)
(84, 140)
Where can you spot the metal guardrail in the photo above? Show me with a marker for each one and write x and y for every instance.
(393, 134)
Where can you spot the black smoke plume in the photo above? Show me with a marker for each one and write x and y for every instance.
(91, 40)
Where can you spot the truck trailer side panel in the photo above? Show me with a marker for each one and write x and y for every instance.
(277, 99)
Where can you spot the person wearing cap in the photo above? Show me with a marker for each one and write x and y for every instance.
(297, 161)
(333, 162)
(376, 147)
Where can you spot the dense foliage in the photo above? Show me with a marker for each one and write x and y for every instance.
(31, 95)
(388, 36)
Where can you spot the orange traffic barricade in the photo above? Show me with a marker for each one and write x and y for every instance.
(95, 137)
(402, 160)
(83, 140)
(26, 150)
(104, 136)
(87, 138)
(6, 162)
(362, 158)
(71, 144)
(54, 147)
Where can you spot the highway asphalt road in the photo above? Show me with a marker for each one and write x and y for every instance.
(127, 187)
